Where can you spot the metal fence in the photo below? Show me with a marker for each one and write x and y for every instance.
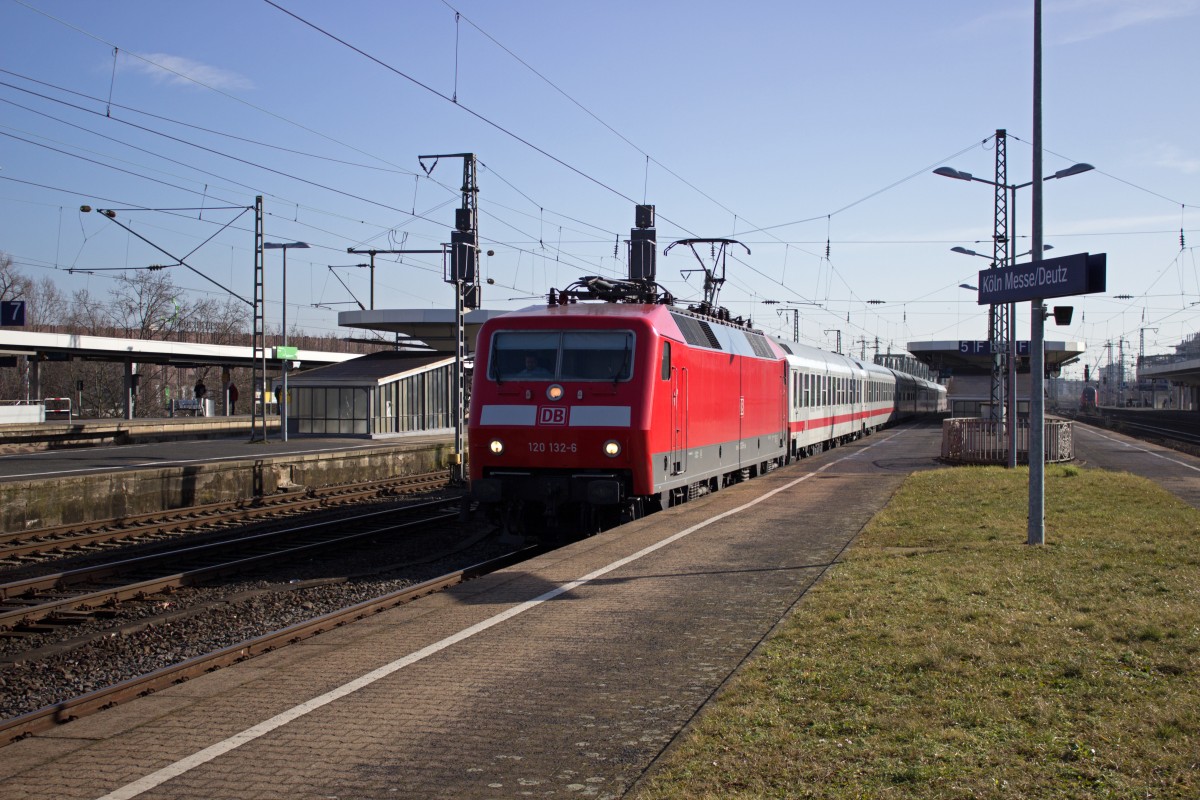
(972, 440)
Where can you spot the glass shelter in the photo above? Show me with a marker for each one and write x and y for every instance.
(388, 393)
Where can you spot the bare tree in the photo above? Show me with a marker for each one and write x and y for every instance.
(87, 314)
(13, 285)
(146, 304)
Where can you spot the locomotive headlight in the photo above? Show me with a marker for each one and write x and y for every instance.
(612, 448)
(496, 446)
(554, 392)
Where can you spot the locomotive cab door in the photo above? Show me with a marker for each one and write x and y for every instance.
(679, 418)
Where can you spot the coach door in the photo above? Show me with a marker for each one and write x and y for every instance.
(679, 418)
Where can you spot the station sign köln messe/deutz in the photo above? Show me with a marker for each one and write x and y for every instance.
(1082, 273)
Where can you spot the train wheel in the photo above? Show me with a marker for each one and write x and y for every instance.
(639, 507)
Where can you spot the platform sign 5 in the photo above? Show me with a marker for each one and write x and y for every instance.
(552, 415)
(982, 347)
(12, 313)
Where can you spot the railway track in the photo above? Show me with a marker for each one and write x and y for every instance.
(25, 547)
(1176, 432)
(65, 598)
(47, 717)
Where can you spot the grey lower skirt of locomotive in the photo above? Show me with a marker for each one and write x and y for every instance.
(559, 504)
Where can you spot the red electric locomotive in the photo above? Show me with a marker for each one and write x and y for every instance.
(608, 408)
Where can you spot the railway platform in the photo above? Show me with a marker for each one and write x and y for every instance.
(48, 487)
(57, 434)
(566, 675)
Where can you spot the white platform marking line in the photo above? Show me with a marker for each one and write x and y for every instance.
(1144, 450)
(189, 763)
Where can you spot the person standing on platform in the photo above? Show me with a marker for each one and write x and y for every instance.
(200, 390)
(233, 395)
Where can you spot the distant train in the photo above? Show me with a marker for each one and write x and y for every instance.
(1089, 399)
(611, 402)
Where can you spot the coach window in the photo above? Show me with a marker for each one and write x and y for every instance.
(666, 361)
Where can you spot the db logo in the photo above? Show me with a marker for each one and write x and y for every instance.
(552, 415)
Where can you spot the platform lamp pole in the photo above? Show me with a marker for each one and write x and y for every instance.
(1037, 324)
(283, 409)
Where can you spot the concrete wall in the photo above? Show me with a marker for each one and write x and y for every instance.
(38, 504)
(23, 413)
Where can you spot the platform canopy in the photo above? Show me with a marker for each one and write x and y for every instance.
(970, 357)
(419, 329)
(1181, 368)
(142, 351)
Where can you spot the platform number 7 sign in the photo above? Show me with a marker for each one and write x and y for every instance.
(12, 313)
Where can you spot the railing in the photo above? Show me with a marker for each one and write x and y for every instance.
(57, 407)
(971, 440)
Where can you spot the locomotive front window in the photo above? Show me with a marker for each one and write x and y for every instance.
(597, 356)
(524, 356)
(561, 355)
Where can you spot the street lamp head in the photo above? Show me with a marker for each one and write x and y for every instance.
(1074, 169)
(968, 286)
(967, 252)
(283, 245)
(951, 172)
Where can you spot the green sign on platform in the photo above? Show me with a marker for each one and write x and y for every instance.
(286, 353)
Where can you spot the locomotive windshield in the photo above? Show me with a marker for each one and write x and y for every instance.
(561, 356)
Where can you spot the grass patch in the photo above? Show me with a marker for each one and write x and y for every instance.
(945, 658)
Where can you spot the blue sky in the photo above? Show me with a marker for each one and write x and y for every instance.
(808, 131)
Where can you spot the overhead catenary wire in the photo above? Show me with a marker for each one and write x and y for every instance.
(225, 134)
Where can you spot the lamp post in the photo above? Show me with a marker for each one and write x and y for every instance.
(1011, 188)
(283, 417)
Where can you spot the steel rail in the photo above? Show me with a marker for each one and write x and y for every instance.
(24, 607)
(61, 538)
